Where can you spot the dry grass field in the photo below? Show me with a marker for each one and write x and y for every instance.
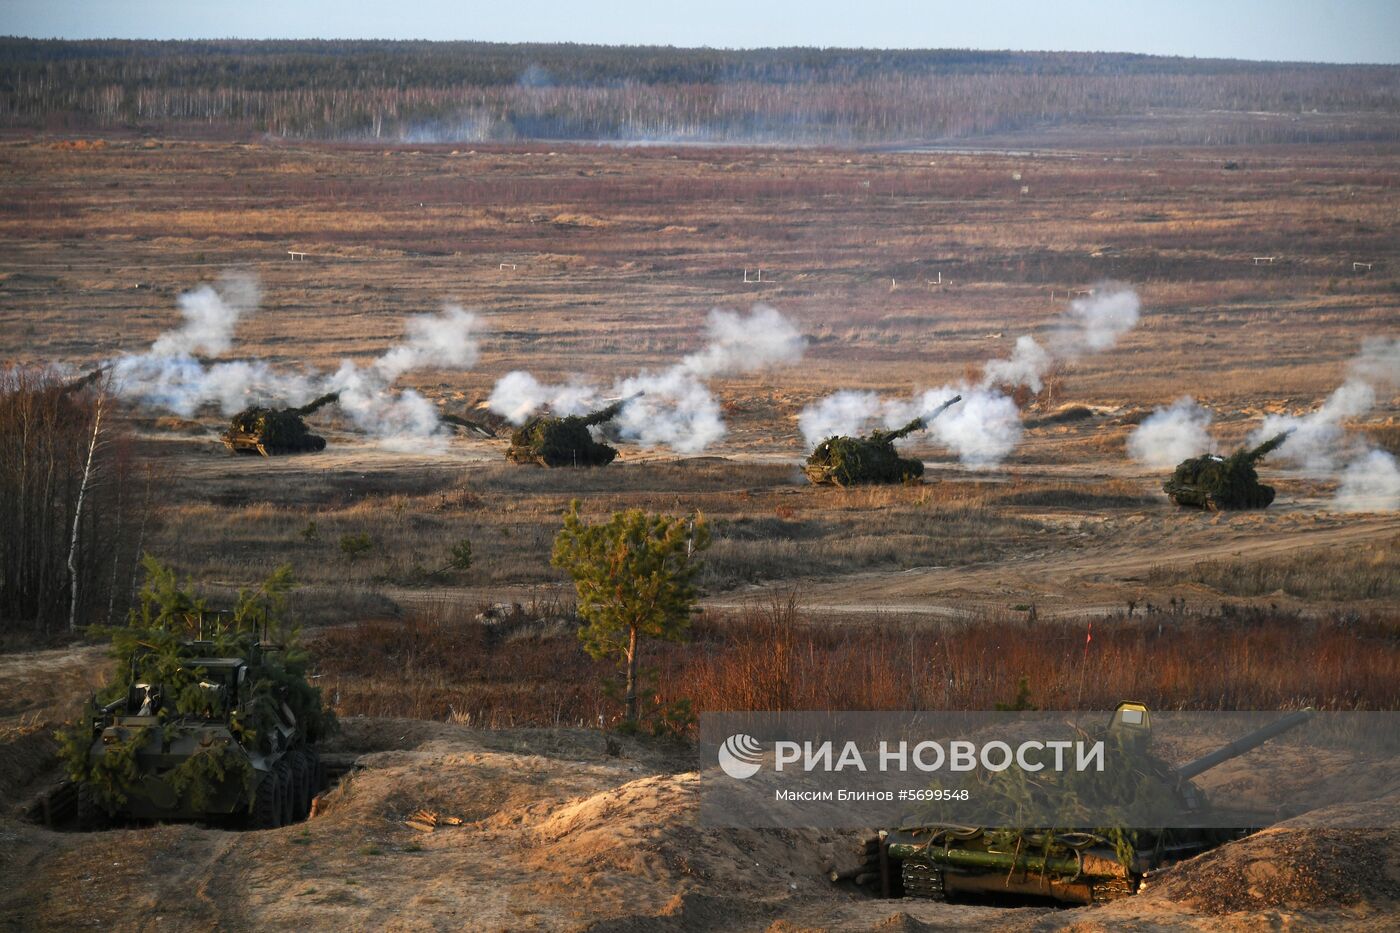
(612, 257)
(906, 270)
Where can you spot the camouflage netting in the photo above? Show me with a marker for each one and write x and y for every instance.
(1214, 483)
(558, 442)
(156, 646)
(849, 461)
(276, 430)
(1133, 781)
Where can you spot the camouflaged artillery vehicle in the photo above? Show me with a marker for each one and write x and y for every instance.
(936, 860)
(850, 461)
(271, 432)
(1213, 483)
(566, 441)
(218, 738)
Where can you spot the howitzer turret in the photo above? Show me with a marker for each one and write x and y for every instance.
(273, 431)
(566, 441)
(1076, 866)
(850, 461)
(1213, 483)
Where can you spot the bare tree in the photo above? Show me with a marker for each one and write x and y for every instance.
(78, 512)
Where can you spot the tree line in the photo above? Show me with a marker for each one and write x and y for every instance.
(469, 91)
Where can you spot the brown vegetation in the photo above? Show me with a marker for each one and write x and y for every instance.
(527, 670)
(1367, 571)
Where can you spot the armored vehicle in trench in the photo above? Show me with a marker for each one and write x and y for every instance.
(272, 432)
(1071, 866)
(566, 441)
(852, 461)
(1214, 483)
(220, 737)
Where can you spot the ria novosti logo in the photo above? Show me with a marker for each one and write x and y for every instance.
(741, 756)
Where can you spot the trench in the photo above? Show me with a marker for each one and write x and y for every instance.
(57, 807)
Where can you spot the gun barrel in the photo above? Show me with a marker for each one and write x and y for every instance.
(315, 404)
(476, 427)
(606, 414)
(944, 407)
(1269, 446)
(1244, 743)
(918, 424)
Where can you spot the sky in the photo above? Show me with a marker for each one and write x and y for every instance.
(1292, 30)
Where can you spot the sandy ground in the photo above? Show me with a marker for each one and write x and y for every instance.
(559, 835)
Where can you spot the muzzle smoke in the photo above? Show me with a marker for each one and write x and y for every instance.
(672, 407)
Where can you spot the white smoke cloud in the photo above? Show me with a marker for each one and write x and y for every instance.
(182, 384)
(397, 418)
(211, 313)
(1090, 325)
(1378, 363)
(985, 426)
(672, 407)
(1371, 483)
(169, 378)
(1094, 324)
(740, 345)
(675, 409)
(844, 412)
(1028, 365)
(446, 341)
(1170, 435)
(982, 429)
(517, 396)
(1319, 444)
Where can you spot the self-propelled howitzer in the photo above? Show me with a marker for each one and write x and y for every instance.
(1213, 483)
(850, 461)
(223, 730)
(273, 431)
(936, 860)
(566, 441)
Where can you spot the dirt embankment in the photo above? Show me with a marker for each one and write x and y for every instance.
(558, 834)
